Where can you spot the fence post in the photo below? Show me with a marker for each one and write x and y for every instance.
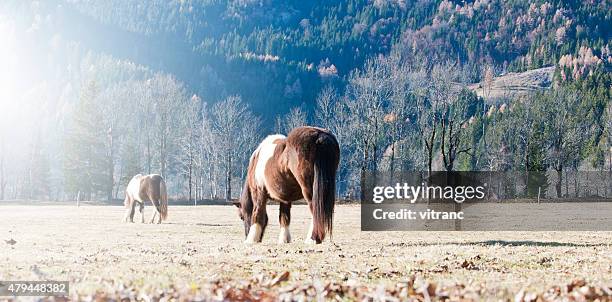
(539, 191)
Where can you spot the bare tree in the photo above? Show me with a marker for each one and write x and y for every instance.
(189, 143)
(455, 117)
(332, 113)
(398, 117)
(209, 151)
(608, 132)
(427, 106)
(564, 131)
(296, 117)
(145, 118)
(168, 95)
(326, 102)
(248, 138)
(116, 112)
(368, 94)
(228, 120)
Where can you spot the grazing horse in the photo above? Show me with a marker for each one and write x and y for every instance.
(143, 188)
(302, 165)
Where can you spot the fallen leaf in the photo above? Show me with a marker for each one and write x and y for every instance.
(575, 283)
(284, 276)
(469, 265)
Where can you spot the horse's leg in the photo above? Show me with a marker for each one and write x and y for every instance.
(284, 218)
(259, 218)
(158, 214)
(307, 193)
(134, 203)
(141, 209)
(129, 212)
(309, 239)
(153, 218)
(305, 181)
(156, 211)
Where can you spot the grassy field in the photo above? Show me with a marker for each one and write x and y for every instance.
(199, 254)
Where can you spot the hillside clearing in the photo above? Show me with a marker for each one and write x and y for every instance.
(515, 84)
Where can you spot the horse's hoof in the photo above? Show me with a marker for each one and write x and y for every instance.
(284, 236)
(309, 241)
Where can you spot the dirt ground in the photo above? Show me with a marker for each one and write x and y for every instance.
(198, 253)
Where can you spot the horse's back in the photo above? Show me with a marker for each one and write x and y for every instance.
(154, 178)
(143, 187)
(150, 186)
(310, 142)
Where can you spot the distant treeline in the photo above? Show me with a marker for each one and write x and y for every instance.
(389, 78)
(396, 114)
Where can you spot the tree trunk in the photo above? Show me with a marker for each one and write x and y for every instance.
(211, 184)
(148, 154)
(228, 179)
(566, 186)
(111, 167)
(559, 181)
(190, 178)
(576, 184)
(362, 172)
(610, 160)
(162, 155)
(429, 145)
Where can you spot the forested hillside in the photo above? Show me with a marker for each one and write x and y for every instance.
(284, 52)
(96, 91)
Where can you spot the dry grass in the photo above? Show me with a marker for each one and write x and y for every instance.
(91, 248)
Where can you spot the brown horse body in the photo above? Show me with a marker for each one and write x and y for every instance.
(143, 188)
(300, 166)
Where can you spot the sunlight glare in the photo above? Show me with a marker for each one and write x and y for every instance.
(8, 64)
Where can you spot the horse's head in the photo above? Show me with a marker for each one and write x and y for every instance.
(245, 208)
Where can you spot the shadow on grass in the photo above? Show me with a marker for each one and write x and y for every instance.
(537, 243)
(506, 243)
(200, 224)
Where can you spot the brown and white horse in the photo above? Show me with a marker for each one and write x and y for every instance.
(143, 188)
(286, 169)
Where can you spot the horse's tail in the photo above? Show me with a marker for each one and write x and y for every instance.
(324, 185)
(163, 200)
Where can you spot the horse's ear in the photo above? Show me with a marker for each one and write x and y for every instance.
(237, 204)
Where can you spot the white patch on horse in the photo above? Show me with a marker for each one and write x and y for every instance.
(284, 236)
(133, 188)
(265, 151)
(254, 235)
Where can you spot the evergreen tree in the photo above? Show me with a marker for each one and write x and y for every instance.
(85, 151)
(39, 173)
